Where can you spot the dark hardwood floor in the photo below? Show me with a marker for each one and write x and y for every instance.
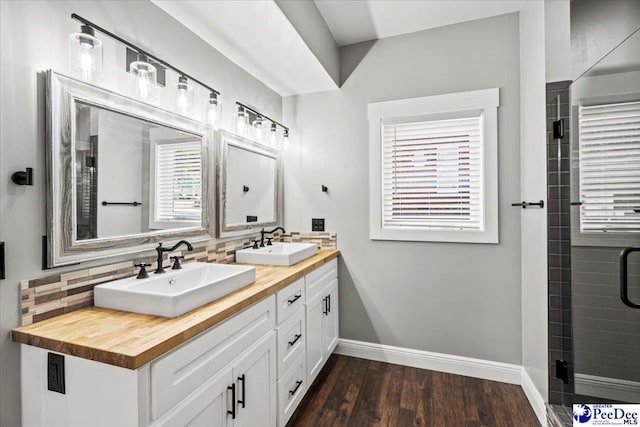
(358, 392)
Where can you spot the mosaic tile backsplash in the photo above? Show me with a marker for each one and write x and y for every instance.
(61, 293)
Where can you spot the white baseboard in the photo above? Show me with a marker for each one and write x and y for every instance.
(608, 388)
(477, 368)
(536, 400)
(459, 365)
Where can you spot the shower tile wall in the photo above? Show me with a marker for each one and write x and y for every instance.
(558, 193)
(606, 332)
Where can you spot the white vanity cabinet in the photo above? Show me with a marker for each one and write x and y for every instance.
(225, 376)
(322, 316)
(252, 369)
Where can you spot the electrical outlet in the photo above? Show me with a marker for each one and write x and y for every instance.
(55, 372)
(317, 224)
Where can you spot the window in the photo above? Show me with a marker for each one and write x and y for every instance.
(433, 168)
(609, 159)
(178, 184)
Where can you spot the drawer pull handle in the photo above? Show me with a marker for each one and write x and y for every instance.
(298, 384)
(232, 412)
(329, 303)
(325, 306)
(244, 387)
(294, 299)
(295, 340)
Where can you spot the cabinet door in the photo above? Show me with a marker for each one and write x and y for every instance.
(315, 309)
(255, 377)
(207, 406)
(330, 321)
(180, 372)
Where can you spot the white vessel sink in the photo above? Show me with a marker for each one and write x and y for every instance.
(176, 291)
(277, 254)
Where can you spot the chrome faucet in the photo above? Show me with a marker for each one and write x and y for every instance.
(263, 232)
(160, 250)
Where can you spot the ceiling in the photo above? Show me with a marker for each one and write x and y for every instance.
(353, 21)
(257, 36)
(260, 37)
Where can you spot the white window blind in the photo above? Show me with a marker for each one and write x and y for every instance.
(609, 160)
(432, 174)
(178, 182)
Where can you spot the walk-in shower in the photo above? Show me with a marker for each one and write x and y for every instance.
(594, 232)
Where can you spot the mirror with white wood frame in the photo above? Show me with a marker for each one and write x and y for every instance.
(122, 174)
(249, 185)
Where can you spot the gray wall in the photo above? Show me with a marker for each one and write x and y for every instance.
(34, 38)
(460, 299)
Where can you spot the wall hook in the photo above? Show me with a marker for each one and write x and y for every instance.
(245, 189)
(23, 178)
(324, 189)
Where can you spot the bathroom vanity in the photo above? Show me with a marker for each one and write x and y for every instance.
(243, 360)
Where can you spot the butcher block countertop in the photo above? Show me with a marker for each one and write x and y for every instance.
(130, 340)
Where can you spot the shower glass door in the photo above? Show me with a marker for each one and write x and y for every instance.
(605, 228)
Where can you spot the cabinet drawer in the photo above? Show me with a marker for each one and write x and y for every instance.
(291, 341)
(291, 390)
(183, 370)
(318, 279)
(290, 299)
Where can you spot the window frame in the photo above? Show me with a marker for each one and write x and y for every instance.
(437, 106)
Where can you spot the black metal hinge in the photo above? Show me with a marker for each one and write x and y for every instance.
(562, 371)
(3, 271)
(558, 129)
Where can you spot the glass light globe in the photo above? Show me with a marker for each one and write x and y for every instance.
(258, 126)
(146, 79)
(212, 110)
(274, 136)
(85, 55)
(286, 142)
(184, 96)
(241, 121)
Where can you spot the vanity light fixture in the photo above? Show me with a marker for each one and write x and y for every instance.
(146, 78)
(212, 110)
(85, 55)
(184, 96)
(85, 52)
(268, 136)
